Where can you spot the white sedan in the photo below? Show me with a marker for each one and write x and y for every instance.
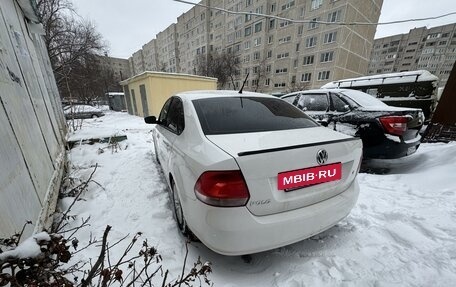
(250, 172)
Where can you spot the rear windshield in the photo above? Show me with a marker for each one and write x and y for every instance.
(228, 115)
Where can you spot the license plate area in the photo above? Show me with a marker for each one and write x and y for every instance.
(295, 179)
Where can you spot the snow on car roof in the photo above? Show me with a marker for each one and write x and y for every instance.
(383, 79)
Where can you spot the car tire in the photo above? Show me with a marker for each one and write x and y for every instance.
(94, 116)
(178, 211)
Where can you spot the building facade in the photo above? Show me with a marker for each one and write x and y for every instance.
(119, 67)
(278, 55)
(432, 49)
(150, 56)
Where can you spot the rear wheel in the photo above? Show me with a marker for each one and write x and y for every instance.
(94, 116)
(178, 211)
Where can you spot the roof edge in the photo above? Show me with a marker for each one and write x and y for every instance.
(164, 74)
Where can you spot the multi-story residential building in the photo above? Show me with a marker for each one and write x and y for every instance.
(192, 30)
(137, 64)
(150, 55)
(279, 55)
(432, 49)
(119, 67)
(168, 54)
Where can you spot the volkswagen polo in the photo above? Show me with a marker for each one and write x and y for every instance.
(249, 172)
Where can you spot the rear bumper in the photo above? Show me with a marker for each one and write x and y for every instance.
(235, 231)
(390, 149)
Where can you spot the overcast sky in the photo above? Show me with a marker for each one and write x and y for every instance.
(127, 25)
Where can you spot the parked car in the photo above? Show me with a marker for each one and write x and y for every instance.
(387, 132)
(249, 172)
(82, 112)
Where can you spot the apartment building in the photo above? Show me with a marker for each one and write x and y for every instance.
(432, 49)
(192, 30)
(150, 56)
(167, 52)
(119, 67)
(136, 62)
(278, 55)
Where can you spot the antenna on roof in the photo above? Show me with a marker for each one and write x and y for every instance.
(245, 80)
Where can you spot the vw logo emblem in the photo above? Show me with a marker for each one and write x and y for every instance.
(322, 156)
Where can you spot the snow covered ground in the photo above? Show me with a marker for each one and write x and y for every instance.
(402, 231)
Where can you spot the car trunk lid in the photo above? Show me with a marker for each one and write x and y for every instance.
(414, 123)
(263, 156)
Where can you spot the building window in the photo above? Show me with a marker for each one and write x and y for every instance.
(326, 57)
(270, 39)
(323, 75)
(306, 77)
(313, 23)
(330, 37)
(267, 82)
(257, 41)
(311, 41)
(256, 55)
(247, 45)
(308, 60)
(334, 16)
(434, 36)
(258, 27)
(268, 68)
(300, 29)
(277, 85)
(283, 24)
(283, 55)
(248, 17)
(269, 54)
(315, 4)
(248, 3)
(248, 31)
(281, 71)
(273, 7)
(271, 24)
(288, 5)
(285, 40)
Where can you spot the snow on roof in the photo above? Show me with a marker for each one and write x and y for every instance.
(384, 79)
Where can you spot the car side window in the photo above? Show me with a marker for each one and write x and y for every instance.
(175, 119)
(164, 112)
(290, 99)
(338, 105)
(313, 102)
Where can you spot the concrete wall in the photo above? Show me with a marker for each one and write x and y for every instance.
(158, 87)
(32, 126)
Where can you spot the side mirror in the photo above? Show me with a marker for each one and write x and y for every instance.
(347, 108)
(151, 120)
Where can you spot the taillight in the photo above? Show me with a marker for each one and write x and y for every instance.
(395, 125)
(222, 188)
